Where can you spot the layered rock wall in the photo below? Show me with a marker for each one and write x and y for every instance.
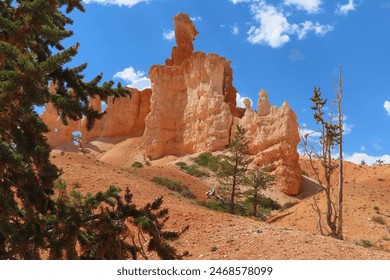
(124, 117)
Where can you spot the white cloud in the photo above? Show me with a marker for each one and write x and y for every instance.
(239, 1)
(386, 105)
(137, 79)
(240, 100)
(347, 128)
(346, 8)
(235, 29)
(198, 18)
(305, 132)
(274, 29)
(370, 160)
(311, 6)
(169, 34)
(308, 26)
(128, 3)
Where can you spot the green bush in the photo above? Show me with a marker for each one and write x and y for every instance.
(137, 164)
(208, 160)
(181, 164)
(174, 186)
(194, 171)
(214, 205)
(266, 202)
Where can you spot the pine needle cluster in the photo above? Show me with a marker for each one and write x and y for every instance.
(32, 220)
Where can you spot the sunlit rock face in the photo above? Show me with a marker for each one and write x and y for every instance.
(191, 108)
(273, 138)
(124, 117)
(193, 101)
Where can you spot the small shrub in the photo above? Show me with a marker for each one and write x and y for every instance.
(365, 243)
(263, 212)
(181, 164)
(266, 202)
(213, 248)
(137, 164)
(187, 193)
(214, 205)
(287, 205)
(174, 186)
(379, 220)
(208, 160)
(194, 171)
(376, 208)
(305, 173)
(76, 185)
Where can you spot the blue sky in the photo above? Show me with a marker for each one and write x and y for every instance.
(285, 47)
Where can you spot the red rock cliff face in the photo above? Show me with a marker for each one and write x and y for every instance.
(124, 117)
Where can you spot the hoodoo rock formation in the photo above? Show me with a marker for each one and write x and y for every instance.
(191, 108)
(193, 100)
(273, 136)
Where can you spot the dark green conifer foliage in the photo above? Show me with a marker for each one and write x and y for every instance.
(260, 180)
(31, 56)
(234, 165)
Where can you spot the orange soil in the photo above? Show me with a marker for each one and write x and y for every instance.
(292, 237)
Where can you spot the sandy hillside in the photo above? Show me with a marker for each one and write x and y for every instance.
(366, 197)
(214, 235)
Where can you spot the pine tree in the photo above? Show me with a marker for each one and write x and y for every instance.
(260, 180)
(234, 165)
(31, 56)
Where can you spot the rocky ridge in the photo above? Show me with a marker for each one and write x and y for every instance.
(191, 108)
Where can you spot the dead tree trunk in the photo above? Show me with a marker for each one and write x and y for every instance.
(339, 97)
